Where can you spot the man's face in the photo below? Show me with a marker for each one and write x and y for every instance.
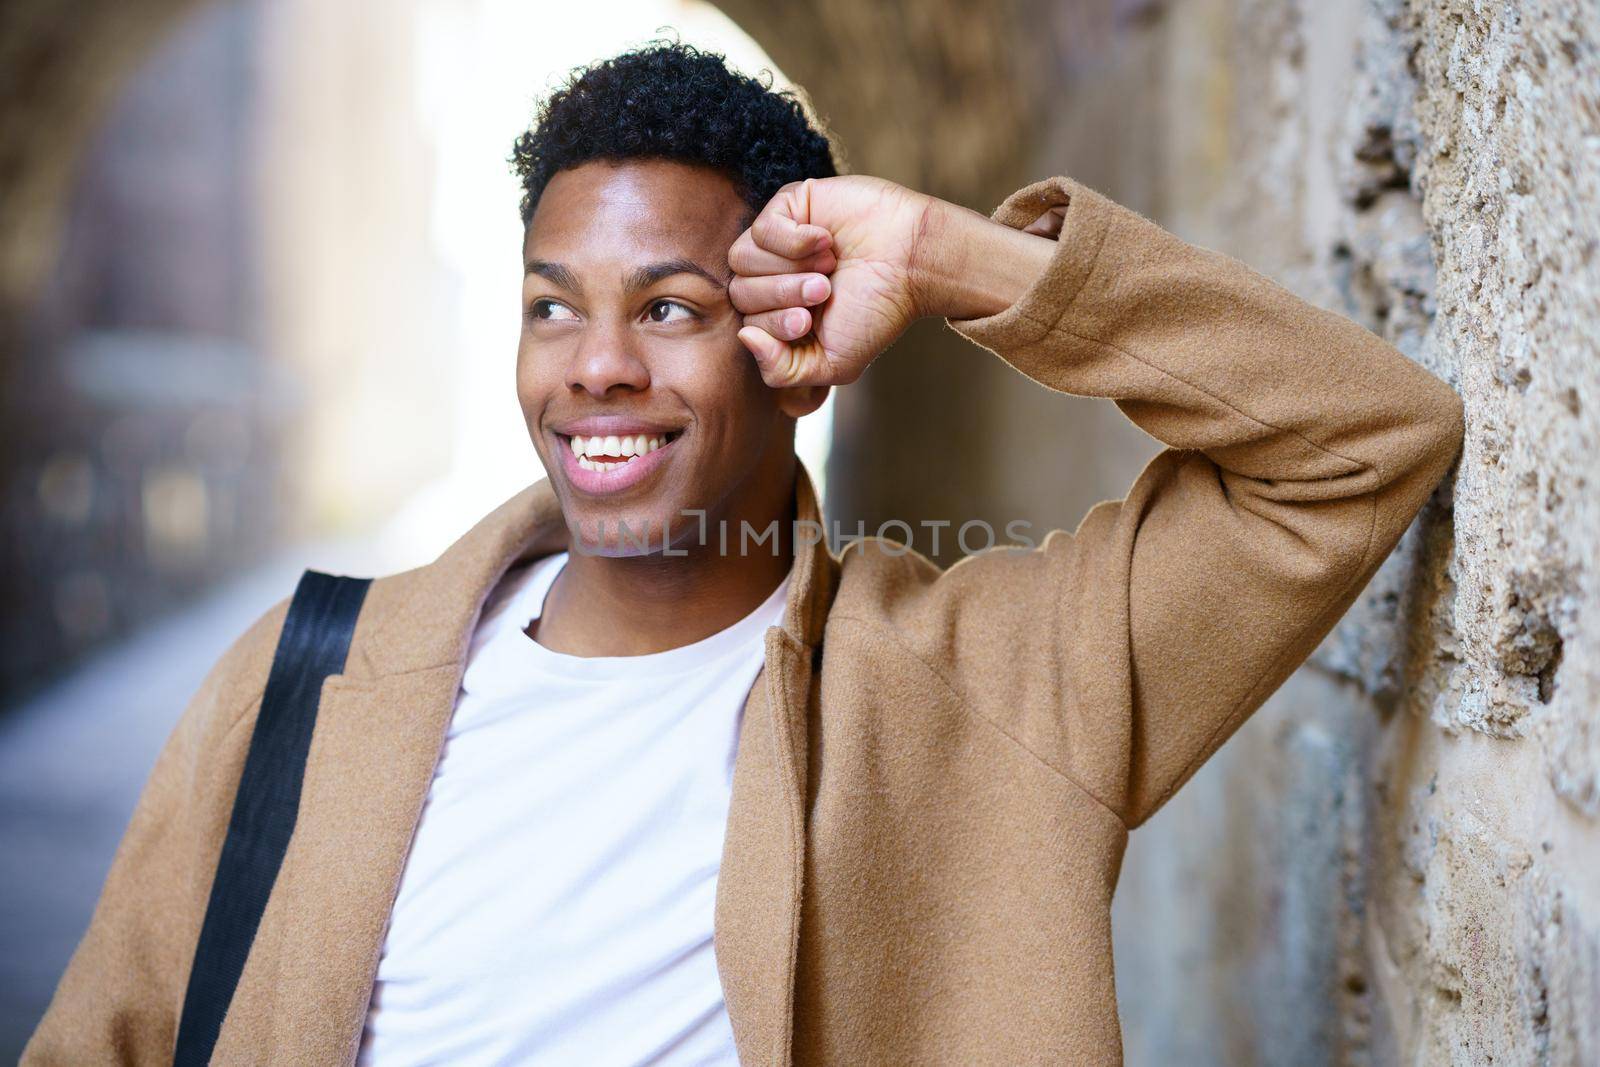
(639, 397)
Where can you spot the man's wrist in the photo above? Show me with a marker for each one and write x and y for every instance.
(967, 266)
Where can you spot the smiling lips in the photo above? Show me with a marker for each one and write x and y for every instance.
(606, 453)
(602, 463)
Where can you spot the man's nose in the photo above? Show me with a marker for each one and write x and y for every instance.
(606, 361)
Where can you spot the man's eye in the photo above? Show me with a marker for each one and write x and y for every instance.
(669, 311)
(550, 310)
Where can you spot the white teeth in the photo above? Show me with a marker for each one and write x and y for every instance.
(629, 447)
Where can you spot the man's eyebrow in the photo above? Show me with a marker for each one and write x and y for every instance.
(554, 273)
(645, 277)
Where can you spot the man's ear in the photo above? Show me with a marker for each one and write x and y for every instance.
(797, 401)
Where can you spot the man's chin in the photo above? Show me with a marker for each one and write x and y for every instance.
(623, 534)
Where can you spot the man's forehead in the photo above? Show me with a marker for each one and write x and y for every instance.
(652, 209)
(605, 235)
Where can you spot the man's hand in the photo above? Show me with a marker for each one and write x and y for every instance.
(834, 269)
(823, 277)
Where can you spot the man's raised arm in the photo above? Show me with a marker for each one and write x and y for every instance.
(1300, 446)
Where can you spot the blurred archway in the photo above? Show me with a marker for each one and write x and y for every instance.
(257, 286)
(257, 273)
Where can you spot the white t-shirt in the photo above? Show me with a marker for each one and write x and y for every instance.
(557, 904)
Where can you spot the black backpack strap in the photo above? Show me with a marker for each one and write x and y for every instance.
(313, 645)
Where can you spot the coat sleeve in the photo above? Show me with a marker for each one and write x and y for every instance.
(1299, 448)
(119, 1000)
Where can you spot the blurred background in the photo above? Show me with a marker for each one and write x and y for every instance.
(258, 290)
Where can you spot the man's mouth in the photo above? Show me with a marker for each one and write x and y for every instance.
(613, 451)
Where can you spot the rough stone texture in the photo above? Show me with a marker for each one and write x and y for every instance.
(1399, 861)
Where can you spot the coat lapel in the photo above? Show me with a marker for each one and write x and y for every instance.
(763, 858)
(367, 776)
(380, 729)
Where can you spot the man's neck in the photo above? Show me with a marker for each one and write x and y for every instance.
(637, 605)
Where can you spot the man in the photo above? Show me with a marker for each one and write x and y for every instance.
(597, 739)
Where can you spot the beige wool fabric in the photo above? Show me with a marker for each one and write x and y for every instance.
(937, 771)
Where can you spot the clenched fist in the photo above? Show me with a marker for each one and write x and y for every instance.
(834, 269)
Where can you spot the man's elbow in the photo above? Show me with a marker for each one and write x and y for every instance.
(1422, 452)
(1445, 427)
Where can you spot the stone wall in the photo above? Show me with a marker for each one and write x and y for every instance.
(1399, 860)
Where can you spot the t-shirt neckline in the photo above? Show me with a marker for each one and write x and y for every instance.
(528, 605)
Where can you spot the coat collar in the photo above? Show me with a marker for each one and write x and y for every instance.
(380, 729)
(450, 592)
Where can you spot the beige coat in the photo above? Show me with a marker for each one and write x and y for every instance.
(937, 772)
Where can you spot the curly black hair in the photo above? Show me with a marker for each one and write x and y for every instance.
(671, 101)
